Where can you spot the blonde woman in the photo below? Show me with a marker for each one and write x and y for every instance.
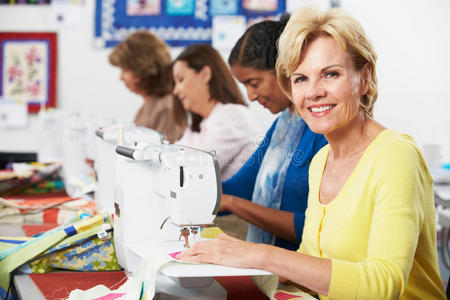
(370, 223)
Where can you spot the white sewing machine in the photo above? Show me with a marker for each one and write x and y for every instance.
(441, 178)
(163, 192)
(106, 157)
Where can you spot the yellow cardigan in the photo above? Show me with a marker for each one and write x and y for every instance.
(379, 231)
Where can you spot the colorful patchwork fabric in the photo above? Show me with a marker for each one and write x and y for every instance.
(48, 210)
(89, 252)
(93, 255)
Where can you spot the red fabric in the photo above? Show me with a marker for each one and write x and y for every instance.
(32, 229)
(38, 196)
(240, 288)
(55, 286)
(39, 200)
(50, 215)
(59, 285)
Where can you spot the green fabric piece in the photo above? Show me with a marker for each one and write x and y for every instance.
(91, 255)
(16, 259)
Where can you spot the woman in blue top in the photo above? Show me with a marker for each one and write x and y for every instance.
(275, 178)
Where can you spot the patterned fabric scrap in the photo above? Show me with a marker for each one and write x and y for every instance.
(82, 251)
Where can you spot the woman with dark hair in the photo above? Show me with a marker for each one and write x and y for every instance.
(208, 96)
(145, 64)
(275, 178)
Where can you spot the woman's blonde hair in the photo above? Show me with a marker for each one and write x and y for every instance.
(308, 23)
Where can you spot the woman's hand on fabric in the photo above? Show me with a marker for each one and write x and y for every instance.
(224, 250)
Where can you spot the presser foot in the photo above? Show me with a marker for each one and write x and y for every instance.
(184, 232)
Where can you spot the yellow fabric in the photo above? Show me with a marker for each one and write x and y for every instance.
(210, 233)
(379, 231)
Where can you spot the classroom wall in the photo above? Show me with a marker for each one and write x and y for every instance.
(412, 39)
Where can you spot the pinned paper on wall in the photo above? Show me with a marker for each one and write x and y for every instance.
(28, 68)
(67, 13)
(226, 30)
(13, 114)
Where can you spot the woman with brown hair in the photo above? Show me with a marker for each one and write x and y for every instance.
(145, 65)
(207, 94)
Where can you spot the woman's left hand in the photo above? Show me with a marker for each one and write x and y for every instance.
(225, 250)
(225, 202)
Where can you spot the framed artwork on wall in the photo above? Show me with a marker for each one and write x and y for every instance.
(28, 68)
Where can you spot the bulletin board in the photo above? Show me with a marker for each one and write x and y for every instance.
(178, 22)
(28, 68)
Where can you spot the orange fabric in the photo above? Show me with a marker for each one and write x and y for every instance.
(33, 229)
(50, 215)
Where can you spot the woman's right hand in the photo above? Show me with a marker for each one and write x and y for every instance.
(225, 250)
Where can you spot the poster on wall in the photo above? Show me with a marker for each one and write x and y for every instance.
(13, 114)
(178, 22)
(28, 68)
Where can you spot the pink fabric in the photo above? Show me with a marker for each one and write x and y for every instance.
(174, 254)
(286, 296)
(111, 296)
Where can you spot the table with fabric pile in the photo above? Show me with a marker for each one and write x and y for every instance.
(58, 285)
